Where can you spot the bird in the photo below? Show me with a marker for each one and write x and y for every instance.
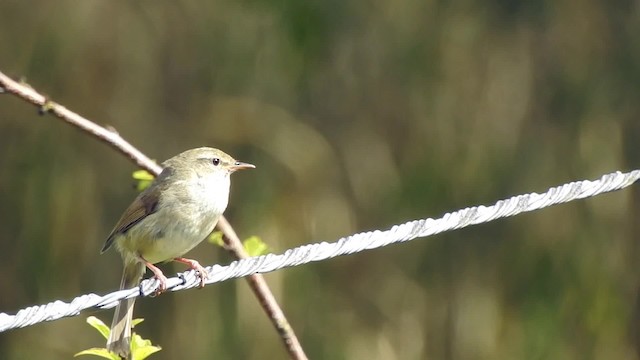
(178, 210)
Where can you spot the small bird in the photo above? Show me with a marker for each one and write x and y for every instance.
(174, 214)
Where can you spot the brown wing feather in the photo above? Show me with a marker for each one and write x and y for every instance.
(144, 205)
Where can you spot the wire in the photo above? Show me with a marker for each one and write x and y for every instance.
(322, 251)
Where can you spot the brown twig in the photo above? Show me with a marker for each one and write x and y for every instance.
(269, 304)
(112, 138)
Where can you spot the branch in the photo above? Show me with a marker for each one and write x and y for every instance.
(112, 138)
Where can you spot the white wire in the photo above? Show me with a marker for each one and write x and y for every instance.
(322, 251)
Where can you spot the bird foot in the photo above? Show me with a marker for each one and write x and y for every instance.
(162, 280)
(193, 264)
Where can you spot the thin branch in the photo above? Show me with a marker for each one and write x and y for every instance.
(112, 138)
(269, 304)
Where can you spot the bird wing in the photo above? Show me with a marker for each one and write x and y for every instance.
(144, 205)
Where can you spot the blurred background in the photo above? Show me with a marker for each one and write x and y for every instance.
(359, 116)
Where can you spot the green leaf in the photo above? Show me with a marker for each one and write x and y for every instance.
(99, 325)
(141, 348)
(255, 246)
(143, 353)
(101, 352)
(144, 179)
(143, 175)
(216, 238)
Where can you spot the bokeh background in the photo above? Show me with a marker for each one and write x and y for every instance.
(359, 115)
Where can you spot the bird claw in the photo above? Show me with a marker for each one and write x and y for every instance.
(193, 264)
(162, 284)
(162, 280)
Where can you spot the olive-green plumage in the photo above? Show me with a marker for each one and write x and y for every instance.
(174, 214)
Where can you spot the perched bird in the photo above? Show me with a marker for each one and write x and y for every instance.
(174, 214)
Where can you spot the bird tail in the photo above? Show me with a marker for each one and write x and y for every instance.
(119, 341)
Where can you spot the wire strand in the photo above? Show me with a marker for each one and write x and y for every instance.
(322, 251)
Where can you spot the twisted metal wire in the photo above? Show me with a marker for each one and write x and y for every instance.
(322, 251)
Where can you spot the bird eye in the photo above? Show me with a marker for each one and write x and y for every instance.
(215, 161)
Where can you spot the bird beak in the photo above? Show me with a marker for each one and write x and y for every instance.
(239, 165)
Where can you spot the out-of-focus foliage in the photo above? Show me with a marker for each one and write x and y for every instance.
(254, 246)
(140, 348)
(358, 115)
(144, 179)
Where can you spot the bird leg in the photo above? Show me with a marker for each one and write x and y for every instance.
(162, 287)
(193, 264)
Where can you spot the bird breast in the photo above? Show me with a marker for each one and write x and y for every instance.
(180, 222)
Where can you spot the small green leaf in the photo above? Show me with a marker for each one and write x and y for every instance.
(216, 238)
(145, 352)
(255, 246)
(101, 352)
(99, 325)
(143, 175)
(144, 179)
(141, 348)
